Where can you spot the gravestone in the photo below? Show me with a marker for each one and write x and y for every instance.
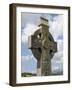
(43, 47)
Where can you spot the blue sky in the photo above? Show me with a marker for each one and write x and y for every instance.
(29, 22)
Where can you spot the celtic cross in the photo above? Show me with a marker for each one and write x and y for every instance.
(43, 47)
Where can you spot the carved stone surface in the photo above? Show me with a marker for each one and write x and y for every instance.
(43, 48)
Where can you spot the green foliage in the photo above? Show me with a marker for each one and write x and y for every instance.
(27, 74)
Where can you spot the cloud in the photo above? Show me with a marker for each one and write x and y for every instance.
(56, 26)
(56, 29)
(59, 53)
(28, 31)
(57, 60)
(28, 57)
(29, 24)
(57, 64)
(31, 18)
(60, 45)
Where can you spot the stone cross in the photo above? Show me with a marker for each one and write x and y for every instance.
(43, 47)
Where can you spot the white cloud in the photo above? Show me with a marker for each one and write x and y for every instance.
(59, 52)
(24, 37)
(60, 45)
(57, 64)
(27, 31)
(57, 60)
(56, 26)
(28, 57)
(56, 29)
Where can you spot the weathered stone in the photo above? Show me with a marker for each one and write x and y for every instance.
(43, 48)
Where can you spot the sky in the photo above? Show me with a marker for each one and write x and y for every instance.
(29, 22)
